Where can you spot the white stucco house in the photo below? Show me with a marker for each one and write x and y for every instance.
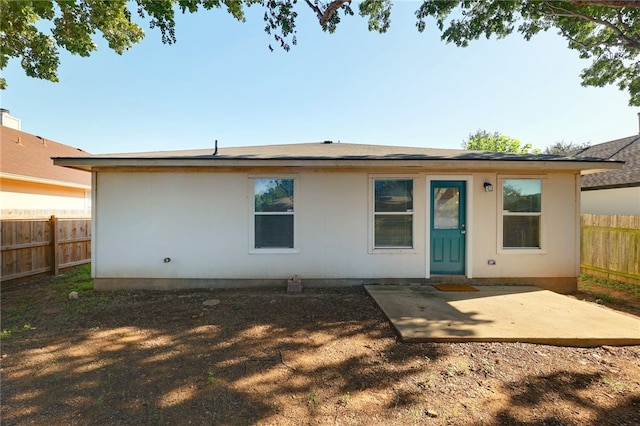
(333, 214)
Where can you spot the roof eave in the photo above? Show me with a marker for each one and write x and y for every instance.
(89, 164)
(43, 181)
(611, 186)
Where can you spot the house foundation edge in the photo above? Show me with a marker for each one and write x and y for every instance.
(562, 285)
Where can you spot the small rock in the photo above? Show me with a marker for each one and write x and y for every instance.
(73, 295)
(431, 413)
(211, 302)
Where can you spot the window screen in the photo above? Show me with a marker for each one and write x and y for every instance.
(521, 213)
(393, 213)
(273, 213)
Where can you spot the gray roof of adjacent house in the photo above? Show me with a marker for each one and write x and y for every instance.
(328, 154)
(625, 149)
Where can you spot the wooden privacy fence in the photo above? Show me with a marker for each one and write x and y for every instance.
(610, 247)
(37, 246)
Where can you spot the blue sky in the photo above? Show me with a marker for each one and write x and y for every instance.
(220, 81)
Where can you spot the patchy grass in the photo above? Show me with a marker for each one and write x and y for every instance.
(17, 318)
(20, 313)
(459, 368)
(613, 294)
(590, 282)
(344, 400)
(77, 279)
(312, 398)
(211, 378)
(614, 384)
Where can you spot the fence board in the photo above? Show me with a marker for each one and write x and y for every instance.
(610, 246)
(36, 246)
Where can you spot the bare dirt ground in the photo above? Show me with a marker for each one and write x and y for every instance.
(325, 357)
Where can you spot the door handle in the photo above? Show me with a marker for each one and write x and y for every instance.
(463, 231)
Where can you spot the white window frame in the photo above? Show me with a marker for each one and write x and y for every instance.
(501, 214)
(372, 215)
(252, 214)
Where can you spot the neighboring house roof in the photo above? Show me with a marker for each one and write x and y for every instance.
(625, 149)
(24, 156)
(327, 154)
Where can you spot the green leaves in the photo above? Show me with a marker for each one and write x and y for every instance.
(73, 24)
(20, 38)
(496, 142)
(605, 31)
(281, 21)
(35, 31)
(379, 13)
(565, 148)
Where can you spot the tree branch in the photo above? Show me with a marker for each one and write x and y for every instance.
(316, 9)
(609, 3)
(331, 9)
(621, 21)
(556, 11)
(573, 40)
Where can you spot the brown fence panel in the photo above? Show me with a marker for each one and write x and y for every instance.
(36, 246)
(25, 248)
(610, 246)
(74, 242)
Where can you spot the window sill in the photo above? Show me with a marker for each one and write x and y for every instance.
(521, 251)
(392, 251)
(274, 251)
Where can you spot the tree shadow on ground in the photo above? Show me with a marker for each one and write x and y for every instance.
(260, 356)
(540, 393)
(154, 358)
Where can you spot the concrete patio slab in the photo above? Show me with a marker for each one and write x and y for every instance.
(422, 313)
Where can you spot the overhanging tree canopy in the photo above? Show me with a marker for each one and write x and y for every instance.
(482, 140)
(606, 31)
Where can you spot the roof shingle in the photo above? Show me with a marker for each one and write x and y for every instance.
(337, 151)
(625, 149)
(24, 154)
(331, 155)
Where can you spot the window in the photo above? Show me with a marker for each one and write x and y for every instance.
(393, 213)
(446, 207)
(273, 213)
(521, 211)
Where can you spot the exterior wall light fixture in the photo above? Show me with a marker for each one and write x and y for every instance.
(488, 187)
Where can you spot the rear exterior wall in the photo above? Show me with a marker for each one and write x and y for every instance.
(178, 226)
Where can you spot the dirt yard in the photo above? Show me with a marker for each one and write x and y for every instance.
(325, 357)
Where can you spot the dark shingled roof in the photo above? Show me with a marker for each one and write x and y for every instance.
(331, 155)
(625, 149)
(338, 151)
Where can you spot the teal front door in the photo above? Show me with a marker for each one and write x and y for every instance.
(448, 231)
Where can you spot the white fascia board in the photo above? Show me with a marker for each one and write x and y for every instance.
(32, 179)
(89, 164)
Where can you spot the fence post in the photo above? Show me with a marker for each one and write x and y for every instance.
(54, 246)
